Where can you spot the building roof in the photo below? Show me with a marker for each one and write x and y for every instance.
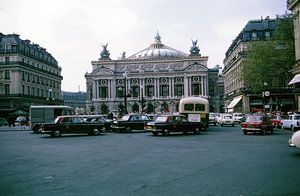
(13, 43)
(257, 26)
(157, 50)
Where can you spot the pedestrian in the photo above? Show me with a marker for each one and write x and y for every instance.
(11, 121)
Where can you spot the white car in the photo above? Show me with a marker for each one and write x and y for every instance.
(227, 119)
(238, 117)
(294, 141)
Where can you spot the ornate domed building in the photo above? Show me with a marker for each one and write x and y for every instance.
(151, 80)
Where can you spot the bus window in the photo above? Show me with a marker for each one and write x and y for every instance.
(188, 107)
(199, 107)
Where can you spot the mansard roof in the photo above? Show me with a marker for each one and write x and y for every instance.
(12, 43)
(257, 26)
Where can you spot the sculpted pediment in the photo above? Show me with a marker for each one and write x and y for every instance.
(196, 67)
(103, 71)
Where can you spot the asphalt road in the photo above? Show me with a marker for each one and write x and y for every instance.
(220, 161)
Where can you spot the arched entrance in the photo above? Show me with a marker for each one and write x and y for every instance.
(150, 108)
(135, 108)
(164, 107)
(104, 109)
(121, 109)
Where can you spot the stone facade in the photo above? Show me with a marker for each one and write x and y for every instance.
(237, 97)
(152, 80)
(29, 75)
(294, 6)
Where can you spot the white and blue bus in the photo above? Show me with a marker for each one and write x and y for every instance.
(195, 108)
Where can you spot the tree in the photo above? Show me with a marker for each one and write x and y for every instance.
(269, 61)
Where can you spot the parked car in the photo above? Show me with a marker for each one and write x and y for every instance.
(257, 123)
(70, 124)
(21, 120)
(130, 122)
(227, 119)
(293, 122)
(237, 117)
(3, 122)
(294, 141)
(165, 124)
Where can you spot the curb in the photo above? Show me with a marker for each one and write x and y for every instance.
(16, 128)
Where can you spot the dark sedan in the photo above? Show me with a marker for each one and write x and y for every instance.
(71, 124)
(257, 123)
(130, 122)
(165, 124)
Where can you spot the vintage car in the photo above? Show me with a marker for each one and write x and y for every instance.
(71, 124)
(294, 141)
(101, 119)
(276, 120)
(130, 122)
(237, 117)
(292, 122)
(212, 119)
(257, 123)
(227, 120)
(165, 124)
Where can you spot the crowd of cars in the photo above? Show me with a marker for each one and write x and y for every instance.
(166, 124)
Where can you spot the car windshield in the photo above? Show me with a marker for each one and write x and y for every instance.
(125, 118)
(161, 119)
(227, 117)
(254, 119)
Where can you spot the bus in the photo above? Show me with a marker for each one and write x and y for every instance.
(195, 108)
(46, 114)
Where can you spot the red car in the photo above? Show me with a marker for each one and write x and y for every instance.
(276, 121)
(257, 123)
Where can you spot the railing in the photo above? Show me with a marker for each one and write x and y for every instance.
(17, 50)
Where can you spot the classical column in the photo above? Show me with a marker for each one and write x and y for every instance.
(170, 87)
(109, 89)
(186, 86)
(202, 86)
(94, 90)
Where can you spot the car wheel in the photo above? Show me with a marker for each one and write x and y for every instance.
(56, 133)
(166, 132)
(155, 133)
(197, 131)
(245, 132)
(96, 132)
(128, 129)
(232, 125)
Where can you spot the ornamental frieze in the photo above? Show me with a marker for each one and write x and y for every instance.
(102, 71)
(196, 67)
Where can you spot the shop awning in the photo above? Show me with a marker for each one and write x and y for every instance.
(295, 79)
(234, 102)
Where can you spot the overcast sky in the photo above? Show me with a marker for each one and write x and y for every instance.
(74, 30)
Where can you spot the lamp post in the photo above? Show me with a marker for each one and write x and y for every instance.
(266, 94)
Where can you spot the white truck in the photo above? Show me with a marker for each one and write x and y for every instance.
(293, 122)
(40, 114)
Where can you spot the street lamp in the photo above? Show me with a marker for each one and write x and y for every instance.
(266, 94)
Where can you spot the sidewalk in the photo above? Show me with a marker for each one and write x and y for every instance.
(16, 128)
